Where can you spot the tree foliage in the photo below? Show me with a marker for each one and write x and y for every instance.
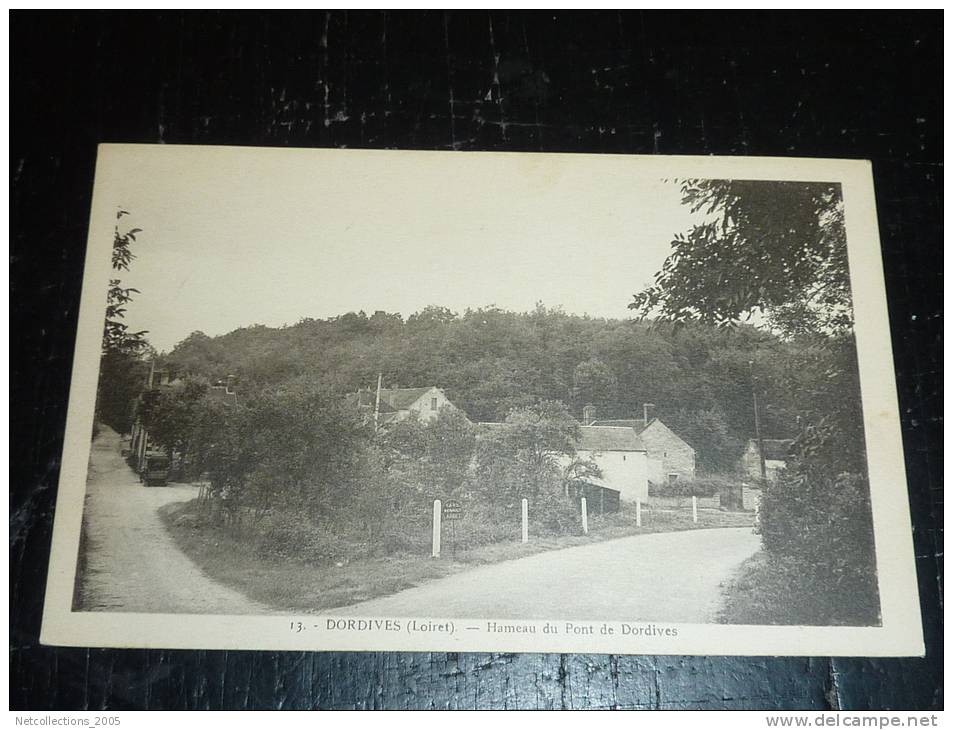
(116, 335)
(774, 247)
(295, 444)
(121, 371)
(819, 512)
(779, 249)
(490, 361)
(434, 456)
(532, 455)
(595, 384)
(169, 414)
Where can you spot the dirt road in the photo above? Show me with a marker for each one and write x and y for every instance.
(673, 577)
(132, 564)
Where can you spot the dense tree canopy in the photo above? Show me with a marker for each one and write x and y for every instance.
(435, 454)
(490, 361)
(774, 247)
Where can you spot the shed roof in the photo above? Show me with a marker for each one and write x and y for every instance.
(609, 438)
(601, 483)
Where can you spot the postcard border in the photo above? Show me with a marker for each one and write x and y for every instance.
(901, 631)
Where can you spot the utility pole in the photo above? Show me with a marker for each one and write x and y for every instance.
(377, 402)
(757, 427)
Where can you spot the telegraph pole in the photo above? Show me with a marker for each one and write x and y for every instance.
(757, 426)
(377, 402)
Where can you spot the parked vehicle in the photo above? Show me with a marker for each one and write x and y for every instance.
(155, 473)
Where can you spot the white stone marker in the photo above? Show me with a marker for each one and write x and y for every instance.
(585, 516)
(525, 519)
(638, 513)
(694, 508)
(437, 513)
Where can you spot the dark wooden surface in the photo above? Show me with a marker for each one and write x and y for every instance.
(833, 85)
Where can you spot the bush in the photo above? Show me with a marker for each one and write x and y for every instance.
(485, 523)
(340, 540)
(821, 518)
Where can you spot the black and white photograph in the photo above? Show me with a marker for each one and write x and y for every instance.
(469, 397)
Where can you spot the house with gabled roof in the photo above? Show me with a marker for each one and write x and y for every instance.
(396, 404)
(621, 457)
(670, 457)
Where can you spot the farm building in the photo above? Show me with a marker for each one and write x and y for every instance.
(776, 454)
(669, 457)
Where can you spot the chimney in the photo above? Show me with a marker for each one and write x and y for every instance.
(645, 412)
(588, 415)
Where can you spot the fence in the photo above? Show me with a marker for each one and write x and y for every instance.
(465, 526)
(684, 502)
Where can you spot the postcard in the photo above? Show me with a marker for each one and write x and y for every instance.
(455, 401)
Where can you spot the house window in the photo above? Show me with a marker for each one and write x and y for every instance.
(433, 404)
(623, 457)
(672, 478)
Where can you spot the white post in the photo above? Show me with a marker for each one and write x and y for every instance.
(638, 513)
(694, 508)
(585, 515)
(525, 519)
(437, 512)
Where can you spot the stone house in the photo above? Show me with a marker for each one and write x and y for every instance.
(621, 459)
(776, 454)
(396, 404)
(670, 458)
(620, 456)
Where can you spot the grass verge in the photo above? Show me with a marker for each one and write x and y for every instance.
(233, 558)
(773, 590)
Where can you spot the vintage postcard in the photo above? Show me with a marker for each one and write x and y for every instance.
(382, 400)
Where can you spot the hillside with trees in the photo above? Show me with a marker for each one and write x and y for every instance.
(752, 302)
(490, 361)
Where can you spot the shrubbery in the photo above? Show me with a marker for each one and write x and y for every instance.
(305, 479)
(818, 516)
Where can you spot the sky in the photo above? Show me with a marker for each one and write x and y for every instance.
(235, 236)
